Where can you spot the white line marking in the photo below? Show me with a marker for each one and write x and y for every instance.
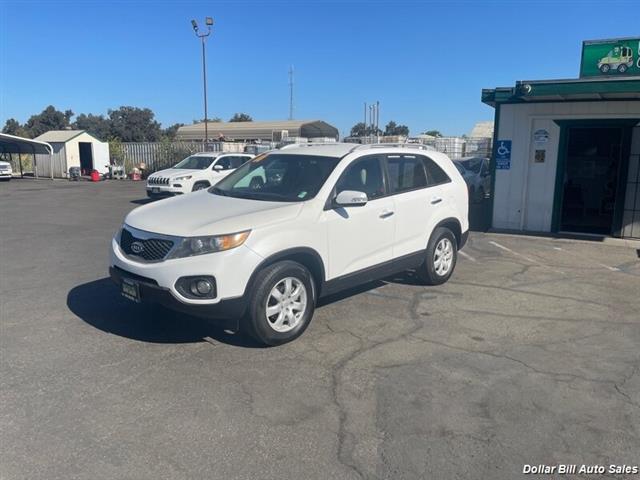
(467, 256)
(529, 259)
(613, 269)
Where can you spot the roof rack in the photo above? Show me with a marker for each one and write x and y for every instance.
(310, 144)
(417, 146)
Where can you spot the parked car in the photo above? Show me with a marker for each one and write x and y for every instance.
(5, 171)
(195, 172)
(477, 174)
(291, 226)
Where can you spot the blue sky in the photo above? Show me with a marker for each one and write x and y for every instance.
(426, 62)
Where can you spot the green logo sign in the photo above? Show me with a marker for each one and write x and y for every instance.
(610, 58)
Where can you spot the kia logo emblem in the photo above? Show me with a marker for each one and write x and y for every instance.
(137, 247)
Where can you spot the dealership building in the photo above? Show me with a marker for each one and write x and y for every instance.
(566, 153)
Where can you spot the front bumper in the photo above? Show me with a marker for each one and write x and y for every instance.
(164, 190)
(231, 269)
(226, 312)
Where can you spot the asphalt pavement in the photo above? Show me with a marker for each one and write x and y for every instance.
(529, 355)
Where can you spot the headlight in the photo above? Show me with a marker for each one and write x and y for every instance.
(191, 246)
(184, 177)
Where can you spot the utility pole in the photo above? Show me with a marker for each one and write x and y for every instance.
(291, 92)
(365, 120)
(203, 37)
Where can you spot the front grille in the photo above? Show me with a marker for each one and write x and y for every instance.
(152, 249)
(158, 181)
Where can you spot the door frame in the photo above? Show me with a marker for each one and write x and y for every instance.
(626, 124)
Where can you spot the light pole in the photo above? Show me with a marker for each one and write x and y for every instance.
(203, 36)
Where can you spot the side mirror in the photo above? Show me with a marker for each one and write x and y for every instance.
(351, 198)
(218, 167)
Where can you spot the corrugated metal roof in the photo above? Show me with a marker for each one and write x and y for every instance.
(13, 144)
(258, 130)
(59, 136)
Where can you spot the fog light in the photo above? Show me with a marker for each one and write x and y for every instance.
(197, 287)
(201, 287)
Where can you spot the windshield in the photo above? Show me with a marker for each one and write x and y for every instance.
(278, 177)
(195, 162)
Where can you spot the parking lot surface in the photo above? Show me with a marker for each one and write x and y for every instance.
(529, 355)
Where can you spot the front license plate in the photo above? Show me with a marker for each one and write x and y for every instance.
(130, 289)
(155, 190)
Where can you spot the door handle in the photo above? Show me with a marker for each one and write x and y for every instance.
(386, 213)
(435, 200)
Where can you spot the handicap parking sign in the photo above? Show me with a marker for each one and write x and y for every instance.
(503, 155)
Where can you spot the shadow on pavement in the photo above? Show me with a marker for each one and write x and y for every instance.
(142, 201)
(100, 304)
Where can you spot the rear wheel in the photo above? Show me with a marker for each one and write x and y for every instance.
(282, 305)
(622, 68)
(605, 68)
(441, 257)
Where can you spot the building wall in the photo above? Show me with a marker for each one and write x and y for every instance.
(100, 157)
(523, 196)
(631, 217)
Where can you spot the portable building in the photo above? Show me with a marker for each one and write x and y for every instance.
(72, 148)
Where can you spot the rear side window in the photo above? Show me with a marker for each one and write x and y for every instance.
(435, 174)
(406, 172)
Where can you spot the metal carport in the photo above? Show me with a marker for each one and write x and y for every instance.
(10, 144)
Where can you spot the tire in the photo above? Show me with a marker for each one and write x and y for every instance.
(622, 68)
(431, 272)
(605, 68)
(200, 186)
(283, 325)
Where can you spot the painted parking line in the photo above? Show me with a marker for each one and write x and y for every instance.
(467, 256)
(527, 258)
(608, 267)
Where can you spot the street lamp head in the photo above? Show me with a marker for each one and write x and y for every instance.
(194, 24)
(209, 21)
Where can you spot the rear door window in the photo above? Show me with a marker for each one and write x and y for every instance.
(406, 172)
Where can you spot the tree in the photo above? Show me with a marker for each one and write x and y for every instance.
(48, 119)
(170, 132)
(361, 130)
(393, 129)
(96, 125)
(133, 124)
(358, 130)
(241, 117)
(13, 127)
(210, 120)
(433, 133)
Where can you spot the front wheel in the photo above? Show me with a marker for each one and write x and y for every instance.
(605, 68)
(622, 68)
(282, 303)
(441, 257)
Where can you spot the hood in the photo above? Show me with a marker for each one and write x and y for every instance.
(5, 164)
(202, 213)
(176, 172)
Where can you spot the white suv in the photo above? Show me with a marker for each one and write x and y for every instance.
(195, 172)
(261, 246)
(5, 171)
